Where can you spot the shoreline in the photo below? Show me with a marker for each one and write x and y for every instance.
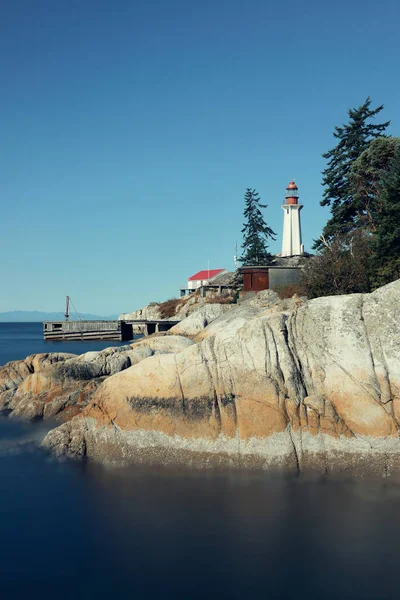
(288, 452)
(268, 384)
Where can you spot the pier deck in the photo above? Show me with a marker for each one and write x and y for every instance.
(140, 326)
(102, 330)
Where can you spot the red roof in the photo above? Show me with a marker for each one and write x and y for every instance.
(206, 274)
(292, 186)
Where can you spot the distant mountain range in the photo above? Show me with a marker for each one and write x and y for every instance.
(29, 316)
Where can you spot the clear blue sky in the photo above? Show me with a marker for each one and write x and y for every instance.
(131, 129)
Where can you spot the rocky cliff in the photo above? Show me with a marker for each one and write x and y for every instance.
(269, 384)
(181, 309)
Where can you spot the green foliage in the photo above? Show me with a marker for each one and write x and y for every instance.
(360, 246)
(341, 267)
(385, 260)
(235, 297)
(255, 232)
(237, 282)
(366, 176)
(353, 138)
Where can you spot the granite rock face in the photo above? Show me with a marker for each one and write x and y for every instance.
(148, 313)
(200, 319)
(270, 384)
(58, 386)
(186, 306)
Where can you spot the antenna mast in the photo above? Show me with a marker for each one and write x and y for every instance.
(235, 258)
(67, 309)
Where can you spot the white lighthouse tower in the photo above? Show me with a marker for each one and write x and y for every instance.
(291, 242)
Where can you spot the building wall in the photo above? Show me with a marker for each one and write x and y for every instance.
(282, 277)
(195, 285)
(256, 281)
(255, 278)
(291, 240)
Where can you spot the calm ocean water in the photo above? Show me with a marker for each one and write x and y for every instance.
(70, 530)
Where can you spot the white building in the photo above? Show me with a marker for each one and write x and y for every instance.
(201, 279)
(291, 242)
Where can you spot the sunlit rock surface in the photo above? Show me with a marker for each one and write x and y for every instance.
(270, 384)
(185, 306)
(200, 319)
(58, 386)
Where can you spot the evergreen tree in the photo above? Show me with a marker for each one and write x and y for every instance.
(255, 232)
(385, 262)
(366, 176)
(353, 139)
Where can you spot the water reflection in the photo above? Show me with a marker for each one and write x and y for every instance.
(75, 530)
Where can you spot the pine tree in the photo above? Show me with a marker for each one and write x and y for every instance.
(366, 176)
(255, 232)
(353, 138)
(385, 262)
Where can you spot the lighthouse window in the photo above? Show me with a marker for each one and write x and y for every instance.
(287, 210)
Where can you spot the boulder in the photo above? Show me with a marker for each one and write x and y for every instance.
(200, 319)
(16, 371)
(59, 386)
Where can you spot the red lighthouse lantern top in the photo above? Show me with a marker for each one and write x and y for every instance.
(292, 193)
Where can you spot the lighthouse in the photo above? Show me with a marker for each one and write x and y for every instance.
(291, 242)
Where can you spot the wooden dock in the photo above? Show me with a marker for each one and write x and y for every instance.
(148, 327)
(102, 330)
